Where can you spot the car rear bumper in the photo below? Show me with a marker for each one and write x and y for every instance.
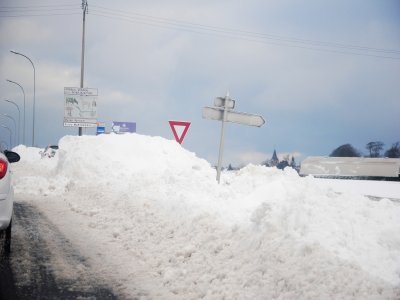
(6, 208)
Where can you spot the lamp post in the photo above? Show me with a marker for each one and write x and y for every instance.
(34, 91)
(19, 119)
(23, 137)
(15, 126)
(10, 133)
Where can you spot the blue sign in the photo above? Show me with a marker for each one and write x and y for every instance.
(123, 127)
(100, 129)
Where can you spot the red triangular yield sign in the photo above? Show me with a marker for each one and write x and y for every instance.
(180, 135)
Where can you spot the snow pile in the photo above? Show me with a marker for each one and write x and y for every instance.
(151, 216)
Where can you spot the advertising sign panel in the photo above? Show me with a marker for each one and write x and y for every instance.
(101, 128)
(80, 107)
(123, 127)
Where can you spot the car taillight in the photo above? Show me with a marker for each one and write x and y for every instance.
(3, 168)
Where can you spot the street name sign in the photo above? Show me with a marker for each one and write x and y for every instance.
(214, 113)
(223, 111)
(220, 102)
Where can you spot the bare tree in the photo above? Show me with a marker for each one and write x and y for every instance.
(394, 151)
(374, 148)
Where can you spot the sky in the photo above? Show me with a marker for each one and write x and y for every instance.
(321, 74)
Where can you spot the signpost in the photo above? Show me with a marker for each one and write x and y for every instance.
(123, 127)
(101, 128)
(224, 112)
(216, 113)
(80, 107)
(179, 134)
(220, 102)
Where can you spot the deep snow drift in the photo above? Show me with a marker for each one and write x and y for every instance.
(152, 219)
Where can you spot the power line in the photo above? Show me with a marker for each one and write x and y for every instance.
(36, 6)
(39, 15)
(34, 10)
(235, 31)
(245, 35)
(174, 24)
(37, 10)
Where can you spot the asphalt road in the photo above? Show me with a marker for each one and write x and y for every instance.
(43, 264)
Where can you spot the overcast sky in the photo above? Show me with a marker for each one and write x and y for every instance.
(321, 73)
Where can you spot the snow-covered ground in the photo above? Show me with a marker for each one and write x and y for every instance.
(153, 220)
(381, 189)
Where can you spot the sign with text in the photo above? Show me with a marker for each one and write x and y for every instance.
(224, 102)
(214, 113)
(101, 128)
(80, 107)
(123, 127)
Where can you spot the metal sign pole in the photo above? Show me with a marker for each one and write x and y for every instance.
(223, 111)
(221, 143)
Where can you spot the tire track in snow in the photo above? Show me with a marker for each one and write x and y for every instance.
(43, 264)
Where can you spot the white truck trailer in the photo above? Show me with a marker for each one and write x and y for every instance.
(322, 166)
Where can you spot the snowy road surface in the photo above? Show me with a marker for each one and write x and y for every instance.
(45, 265)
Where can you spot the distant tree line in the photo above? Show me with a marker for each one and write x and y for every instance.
(347, 150)
(374, 150)
(286, 161)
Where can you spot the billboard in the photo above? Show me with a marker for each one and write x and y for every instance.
(80, 107)
(123, 127)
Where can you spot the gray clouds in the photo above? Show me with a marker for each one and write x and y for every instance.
(150, 71)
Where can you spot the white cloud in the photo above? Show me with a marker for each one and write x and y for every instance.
(241, 158)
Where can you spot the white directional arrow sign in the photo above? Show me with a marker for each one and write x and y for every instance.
(224, 112)
(214, 113)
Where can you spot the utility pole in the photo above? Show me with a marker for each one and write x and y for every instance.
(84, 8)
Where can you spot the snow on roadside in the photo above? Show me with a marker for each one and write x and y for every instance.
(150, 215)
(387, 189)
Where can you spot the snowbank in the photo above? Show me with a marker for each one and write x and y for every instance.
(151, 216)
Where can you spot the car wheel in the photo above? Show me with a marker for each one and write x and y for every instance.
(7, 240)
